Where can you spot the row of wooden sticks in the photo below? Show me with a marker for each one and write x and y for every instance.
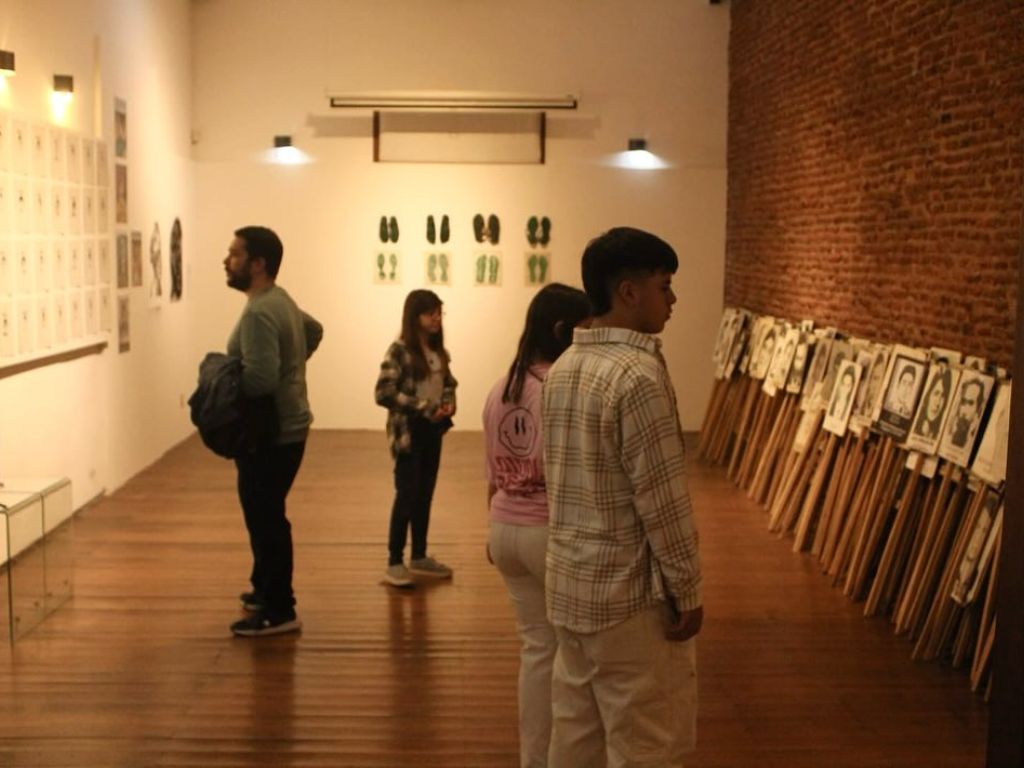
(917, 549)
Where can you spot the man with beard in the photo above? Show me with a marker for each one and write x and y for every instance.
(968, 413)
(273, 338)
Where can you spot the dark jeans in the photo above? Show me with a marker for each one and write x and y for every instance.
(415, 478)
(264, 479)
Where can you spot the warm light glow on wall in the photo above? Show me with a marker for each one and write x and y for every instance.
(60, 99)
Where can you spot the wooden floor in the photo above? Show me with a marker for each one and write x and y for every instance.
(138, 669)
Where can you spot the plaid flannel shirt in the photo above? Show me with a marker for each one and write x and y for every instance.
(621, 533)
(396, 391)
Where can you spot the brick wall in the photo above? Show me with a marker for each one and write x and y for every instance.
(875, 167)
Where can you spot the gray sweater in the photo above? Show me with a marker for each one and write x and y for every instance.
(274, 338)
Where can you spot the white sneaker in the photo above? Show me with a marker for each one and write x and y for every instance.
(428, 566)
(398, 576)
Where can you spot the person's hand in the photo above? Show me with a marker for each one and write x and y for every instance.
(443, 412)
(686, 625)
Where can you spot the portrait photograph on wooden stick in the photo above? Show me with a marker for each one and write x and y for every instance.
(837, 415)
(760, 326)
(839, 352)
(817, 371)
(876, 383)
(990, 461)
(968, 407)
(930, 417)
(724, 327)
(724, 356)
(764, 351)
(738, 344)
(906, 379)
(964, 591)
(785, 350)
(802, 356)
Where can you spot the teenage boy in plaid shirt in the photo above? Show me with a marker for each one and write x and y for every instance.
(623, 576)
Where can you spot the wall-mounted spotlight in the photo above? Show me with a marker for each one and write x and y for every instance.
(285, 153)
(637, 157)
(60, 98)
(64, 84)
(6, 63)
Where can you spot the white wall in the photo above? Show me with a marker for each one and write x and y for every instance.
(102, 418)
(653, 68)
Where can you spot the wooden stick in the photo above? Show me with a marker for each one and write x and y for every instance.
(979, 669)
(840, 516)
(894, 553)
(870, 473)
(986, 632)
(762, 425)
(743, 426)
(720, 441)
(931, 572)
(831, 514)
(772, 450)
(876, 516)
(925, 535)
(809, 510)
(782, 498)
(790, 457)
(944, 611)
(712, 416)
(790, 507)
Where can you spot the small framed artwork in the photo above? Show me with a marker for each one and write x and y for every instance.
(124, 320)
(175, 257)
(387, 267)
(438, 267)
(106, 308)
(156, 266)
(537, 268)
(122, 260)
(121, 193)
(120, 128)
(136, 259)
(7, 322)
(60, 318)
(487, 268)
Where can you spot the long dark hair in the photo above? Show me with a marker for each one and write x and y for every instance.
(416, 303)
(550, 319)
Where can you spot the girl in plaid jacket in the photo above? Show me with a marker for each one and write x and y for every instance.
(417, 387)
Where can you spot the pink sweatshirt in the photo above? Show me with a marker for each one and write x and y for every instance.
(515, 453)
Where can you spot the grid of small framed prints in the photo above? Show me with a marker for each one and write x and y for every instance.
(55, 240)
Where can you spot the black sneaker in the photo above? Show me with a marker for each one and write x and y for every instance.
(252, 601)
(262, 623)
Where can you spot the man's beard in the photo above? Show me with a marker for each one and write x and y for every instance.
(960, 431)
(240, 281)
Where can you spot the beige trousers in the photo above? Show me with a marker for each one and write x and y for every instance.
(624, 696)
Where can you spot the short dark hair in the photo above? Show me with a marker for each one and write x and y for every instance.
(263, 243)
(619, 253)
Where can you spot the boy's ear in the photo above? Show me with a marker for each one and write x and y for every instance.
(626, 291)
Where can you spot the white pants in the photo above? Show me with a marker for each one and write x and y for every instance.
(518, 551)
(624, 696)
